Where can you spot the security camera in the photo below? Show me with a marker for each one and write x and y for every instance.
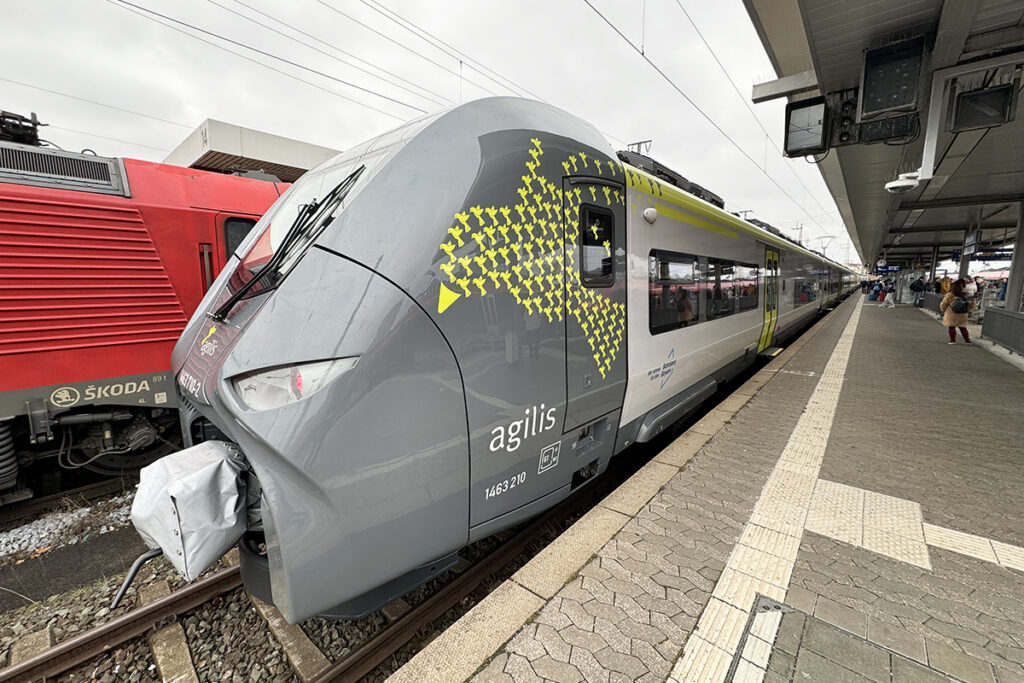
(905, 183)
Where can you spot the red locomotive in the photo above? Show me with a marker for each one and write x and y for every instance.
(102, 262)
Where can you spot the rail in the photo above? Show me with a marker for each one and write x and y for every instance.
(80, 649)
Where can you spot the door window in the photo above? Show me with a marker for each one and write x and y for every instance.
(235, 230)
(596, 247)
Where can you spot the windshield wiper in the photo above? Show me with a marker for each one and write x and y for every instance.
(310, 217)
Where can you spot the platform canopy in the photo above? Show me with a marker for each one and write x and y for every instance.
(928, 88)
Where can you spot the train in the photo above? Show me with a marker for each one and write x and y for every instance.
(444, 331)
(102, 261)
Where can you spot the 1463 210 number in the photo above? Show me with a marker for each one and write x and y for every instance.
(503, 486)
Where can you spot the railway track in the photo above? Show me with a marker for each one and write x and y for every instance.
(81, 649)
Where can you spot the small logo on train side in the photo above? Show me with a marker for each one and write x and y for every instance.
(549, 457)
(664, 371)
(65, 397)
(207, 347)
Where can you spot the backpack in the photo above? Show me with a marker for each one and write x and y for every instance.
(960, 305)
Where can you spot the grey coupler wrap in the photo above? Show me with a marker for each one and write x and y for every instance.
(192, 505)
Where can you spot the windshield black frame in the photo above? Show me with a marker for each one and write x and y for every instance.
(310, 222)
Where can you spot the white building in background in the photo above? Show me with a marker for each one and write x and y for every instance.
(223, 147)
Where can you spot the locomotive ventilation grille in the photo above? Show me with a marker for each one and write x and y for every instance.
(59, 169)
(74, 276)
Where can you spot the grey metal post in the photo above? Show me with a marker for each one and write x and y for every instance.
(935, 262)
(965, 260)
(1015, 284)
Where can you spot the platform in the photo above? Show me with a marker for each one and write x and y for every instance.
(855, 512)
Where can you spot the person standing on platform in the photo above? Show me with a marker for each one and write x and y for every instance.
(890, 294)
(970, 288)
(918, 287)
(955, 307)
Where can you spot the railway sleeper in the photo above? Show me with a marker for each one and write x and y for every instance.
(168, 643)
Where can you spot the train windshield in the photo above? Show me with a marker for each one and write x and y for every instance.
(310, 208)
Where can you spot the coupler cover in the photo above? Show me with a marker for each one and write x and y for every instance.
(192, 505)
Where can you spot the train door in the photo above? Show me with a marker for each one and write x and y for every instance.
(771, 298)
(595, 299)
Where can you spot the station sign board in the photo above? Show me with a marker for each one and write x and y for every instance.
(971, 243)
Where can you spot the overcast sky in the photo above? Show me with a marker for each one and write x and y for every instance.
(562, 52)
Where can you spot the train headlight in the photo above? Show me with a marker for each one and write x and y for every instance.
(286, 384)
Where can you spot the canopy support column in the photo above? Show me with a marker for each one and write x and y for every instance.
(1015, 284)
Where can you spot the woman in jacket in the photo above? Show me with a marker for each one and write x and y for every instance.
(954, 320)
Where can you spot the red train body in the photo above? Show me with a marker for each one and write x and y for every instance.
(96, 284)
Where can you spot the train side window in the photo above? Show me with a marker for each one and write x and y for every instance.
(235, 230)
(745, 281)
(674, 291)
(731, 288)
(596, 247)
(805, 291)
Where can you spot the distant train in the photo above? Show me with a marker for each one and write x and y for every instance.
(102, 261)
(447, 330)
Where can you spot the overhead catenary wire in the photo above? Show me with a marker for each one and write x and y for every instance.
(107, 137)
(404, 47)
(137, 8)
(98, 104)
(463, 58)
(743, 99)
(708, 118)
(432, 97)
(449, 49)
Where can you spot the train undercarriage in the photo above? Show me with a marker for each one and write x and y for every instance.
(42, 454)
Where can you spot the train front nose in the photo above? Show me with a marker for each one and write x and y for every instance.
(347, 404)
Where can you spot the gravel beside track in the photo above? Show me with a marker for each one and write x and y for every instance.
(230, 641)
(132, 662)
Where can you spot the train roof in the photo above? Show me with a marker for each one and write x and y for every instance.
(57, 169)
(642, 181)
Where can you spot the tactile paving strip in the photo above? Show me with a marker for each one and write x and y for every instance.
(782, 506)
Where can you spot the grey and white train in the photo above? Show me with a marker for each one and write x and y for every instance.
(443, 332)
